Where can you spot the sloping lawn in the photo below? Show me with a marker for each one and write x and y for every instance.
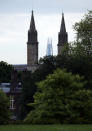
(46, 128)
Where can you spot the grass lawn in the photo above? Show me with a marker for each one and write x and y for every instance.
(45, 127)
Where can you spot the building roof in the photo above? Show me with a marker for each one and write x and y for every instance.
(20, 67)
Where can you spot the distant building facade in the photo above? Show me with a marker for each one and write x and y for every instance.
(13, 91)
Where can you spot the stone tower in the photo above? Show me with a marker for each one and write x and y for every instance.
(62, 36)
(32, 46)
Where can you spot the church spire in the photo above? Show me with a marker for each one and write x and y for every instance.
(32, 32)
(32, 46)
(62, 36)
(63, 28)
(32, 23)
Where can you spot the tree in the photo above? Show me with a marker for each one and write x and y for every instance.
(83, 46)
(28, 90)
(84, 33)
(77, 58)
(46, 66)
(4, 108)
(5, 72)
(61, 98)
(29, 80)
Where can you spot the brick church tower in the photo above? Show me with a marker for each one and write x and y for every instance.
(32, 46)
(62, 36)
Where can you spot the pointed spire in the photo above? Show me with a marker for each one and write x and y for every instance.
(32, 24)
(63, 28)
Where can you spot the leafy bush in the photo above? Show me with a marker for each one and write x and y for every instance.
(61, 98)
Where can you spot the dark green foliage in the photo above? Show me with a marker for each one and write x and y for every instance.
(77, 64)
(84, 33)
(4, 108)
(46, 66)
(77, 57)
(61, 98)
(28, 91)
(82, 50)
(29, 80)
(5, 72)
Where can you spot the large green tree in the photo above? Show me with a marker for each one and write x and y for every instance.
(77, 57)
(83, 47)
(84, 33)
(61, 98)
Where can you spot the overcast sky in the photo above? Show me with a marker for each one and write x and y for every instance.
(15, 19)
(44, 6)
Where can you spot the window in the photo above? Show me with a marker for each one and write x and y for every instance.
(12, 103)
